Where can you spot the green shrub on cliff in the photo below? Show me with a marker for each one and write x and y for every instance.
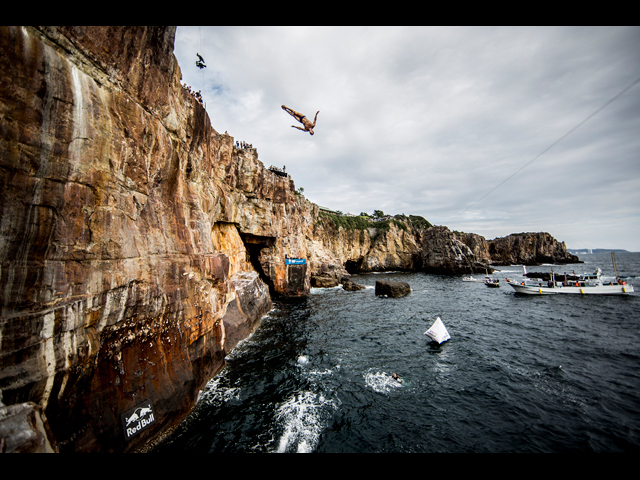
(348, 223)
(362, 222)
(419, 222)
(386, 224)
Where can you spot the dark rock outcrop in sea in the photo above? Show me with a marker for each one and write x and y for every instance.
(385, 288)
(323, 281)
(351, 286)
(138, 246)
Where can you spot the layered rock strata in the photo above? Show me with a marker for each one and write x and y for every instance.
(134, 239)
(24, 429)
(406, 243)
(529, 249)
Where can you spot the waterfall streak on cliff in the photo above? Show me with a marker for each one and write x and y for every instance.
(48, 354)
(79, 126)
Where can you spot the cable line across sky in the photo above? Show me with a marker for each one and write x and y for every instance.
(547, 149)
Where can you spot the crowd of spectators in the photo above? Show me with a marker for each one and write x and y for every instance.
(197, 95)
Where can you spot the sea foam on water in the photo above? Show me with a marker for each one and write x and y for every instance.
(303, 419)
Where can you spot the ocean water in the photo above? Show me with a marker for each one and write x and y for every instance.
(519, 374)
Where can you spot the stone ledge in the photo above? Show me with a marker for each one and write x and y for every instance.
(24, 429)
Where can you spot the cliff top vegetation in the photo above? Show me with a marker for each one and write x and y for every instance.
(378, 220)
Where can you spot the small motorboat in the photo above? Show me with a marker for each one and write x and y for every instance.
(492, 282)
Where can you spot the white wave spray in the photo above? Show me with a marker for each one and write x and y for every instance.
(303, 416)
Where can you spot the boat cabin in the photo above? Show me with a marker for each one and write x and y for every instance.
(591, 279)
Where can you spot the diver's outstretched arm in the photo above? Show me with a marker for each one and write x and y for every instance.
(299, 128)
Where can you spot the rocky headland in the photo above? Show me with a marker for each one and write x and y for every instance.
(138, 246)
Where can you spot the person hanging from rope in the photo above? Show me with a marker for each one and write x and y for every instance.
(308, 126)
(200, 63)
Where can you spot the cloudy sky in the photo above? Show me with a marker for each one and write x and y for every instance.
(470, 127)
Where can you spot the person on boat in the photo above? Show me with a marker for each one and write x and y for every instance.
(308, 126)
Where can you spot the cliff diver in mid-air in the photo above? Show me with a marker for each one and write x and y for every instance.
(308, 126)
(200, 63)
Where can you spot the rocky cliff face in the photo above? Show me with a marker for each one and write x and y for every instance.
(405, 243)
(529, 249)
(138, 246)
(135, 240)
(478, 244)
(337, 248)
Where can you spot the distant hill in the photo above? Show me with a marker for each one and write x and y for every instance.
(584, 251)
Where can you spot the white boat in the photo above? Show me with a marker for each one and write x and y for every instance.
(587, 284)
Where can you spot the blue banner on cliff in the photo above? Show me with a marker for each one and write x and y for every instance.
(295, 261)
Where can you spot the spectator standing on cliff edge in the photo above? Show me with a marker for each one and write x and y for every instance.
(308, 126)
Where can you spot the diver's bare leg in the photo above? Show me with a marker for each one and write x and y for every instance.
(293, 113)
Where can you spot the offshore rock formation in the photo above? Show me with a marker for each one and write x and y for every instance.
(517, 249)
(529, 249)
(138, 246)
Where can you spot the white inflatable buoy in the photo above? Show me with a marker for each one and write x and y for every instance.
(438, 332)
(302, 359)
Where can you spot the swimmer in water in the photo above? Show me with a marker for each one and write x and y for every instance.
(396, 377)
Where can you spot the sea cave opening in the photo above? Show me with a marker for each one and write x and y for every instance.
(353, 266)
(254, 245)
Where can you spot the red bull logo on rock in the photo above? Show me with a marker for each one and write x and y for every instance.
(137, 419)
